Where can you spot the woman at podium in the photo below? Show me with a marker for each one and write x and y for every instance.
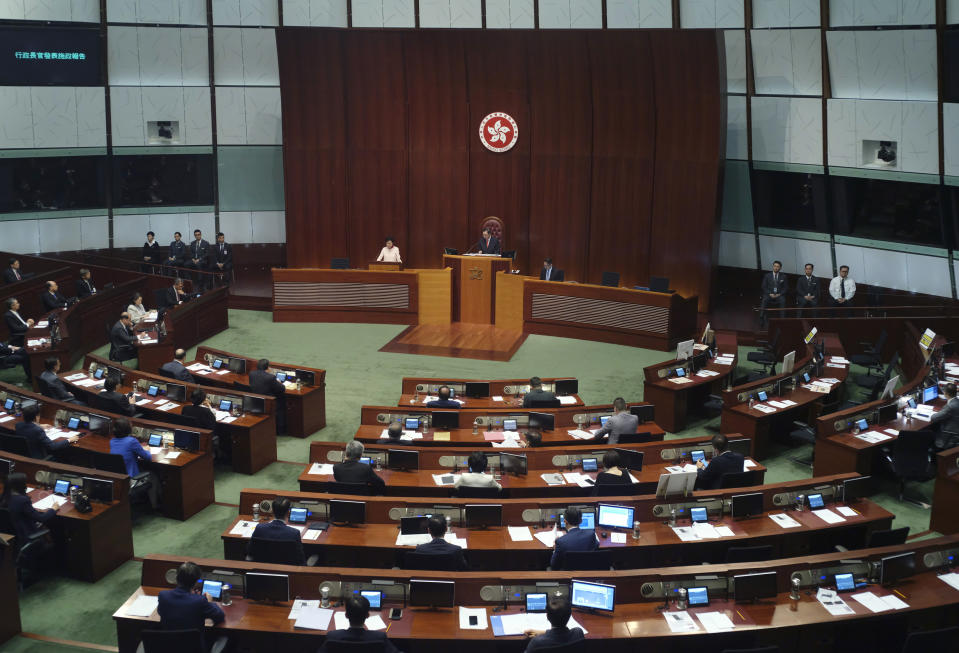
(390, 252)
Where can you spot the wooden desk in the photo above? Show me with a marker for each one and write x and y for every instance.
(412, 401)
(497, 387)
(944, 517)
(318, 295)
(368, 434)
(305, 406)
(187, 325)
(674, 401)
(563, 416)
(9, 589)
(88, 545)
(474, 286)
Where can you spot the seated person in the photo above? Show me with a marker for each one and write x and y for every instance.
(52, 298)
(622, 421)
(947, 419)
(184, 608)
(26, 519)
(15, 323)
(112, 400)
(536, 393)
(558, 611)
(613, 472)
(357, 612)
(175, 369)
(276, 530)
(85, 286)
(438, 545)
(11, 356)
(175, 294)
(394, 432)
(549, 273)
(12, 273)
(575, 538)
(136, 309)
(38, 444)
(123, 343)
(56, 389)
(200, 410)
(477, 476)
(709, 477)
(444, 401)
(351, 470)
(534, 435)
(124, 444)
(263, 382)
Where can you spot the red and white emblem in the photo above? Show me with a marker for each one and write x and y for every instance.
(499, 132)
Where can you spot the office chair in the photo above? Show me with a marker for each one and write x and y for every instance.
(888, 537)
(922, 641)
(610, 279)
(14, 444)
(467, 492)
(28, 556)
(357, 489)
(635, 438)
(431, 561)
(182, 641)
(44, 386)
(875, 384)
(346, 646)
(615, 489)
(139, 484)
(508, 253)
(340, 264)
(599, 560)
(766, 357)
(659, 284)
(738, 479)
(749, 553)
(568, 647)
(76, 456)
(544, 403)
(804, 433)
(872, 353)
(159, 296)
(909, 460)
(278, 552)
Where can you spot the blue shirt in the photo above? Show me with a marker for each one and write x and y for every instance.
(131, 449)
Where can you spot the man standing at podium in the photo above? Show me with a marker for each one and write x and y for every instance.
(488, 243)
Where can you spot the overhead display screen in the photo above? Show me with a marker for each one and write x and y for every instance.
(56, 56)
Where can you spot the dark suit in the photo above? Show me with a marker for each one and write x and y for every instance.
(440, 547)
(52, 300)
(11, 276)
(278, 531)
(805, 287)
(353, 471)
(38, 444)
(537, 395)
(177, 370)
(443, 403)
(221, 253)
(555, 274)
(727, 462)
(264, 383)
(616, 426)
(151, 253)
(205, 419)
(773, 284)
(173, 297)
(359, 635)
(10, 358)
(181, 609)
(17, 327)
(948, 420)
(575, 539)
(25, 517)
(490, 246)
(198, 254)
(57, 389)
(605, 478)
(122, 343)
(554, 637)
(176, 254)
(85, 288)
(115, 402)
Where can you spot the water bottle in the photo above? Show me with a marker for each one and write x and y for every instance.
(73, 494)
(324, 597)
(794, 594)
(449, 523)
(672, 517)
(751, 402)
(681, 595)
(225, 598)
(800, 502)
(256, 511)
(635, 530)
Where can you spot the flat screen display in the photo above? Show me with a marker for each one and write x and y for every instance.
(697, 596)
(615, 516)
(762, 395)
(698, 455)
(432, 593)
(590, 465)
(298, 515)
(845, 582)
(226, 404)
(156, 439)
(267, 587)
(862, 425)
(152, 391)
(375, 597)
(815, 501)
(536, 602)
(412, 423)
(929, 394)
(62, 487)
(217, 363)
(749, 587)
(73, 423)
(213, 587)
(593, 596)
(698, 515)
(9, 404)
(281, 377)
(509, 424)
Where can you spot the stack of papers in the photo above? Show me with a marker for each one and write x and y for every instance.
(715, 622)
(553, 479)
(680, 380)
(707, 373)
(784, 520)
(50, 501)
(846, 511)
(873, 437)
(828, 516)
(580, 434)
(747, 463)
(520, 534)
(839, 360)
(321, 469)
(196, 367)
(879, 603)
(494, 436)
(458, 541)
(680, 622)
(413, 539)
(724, 359)
(243, 528)
(5, 418)
(143, 606)
(763, 408)
(167, 406)
(567, 401)
(548, 538)
(87, 382)
(300, 604)
(686, 533)
(815, 386)
(833, 603)
(466, 613)
(75, 377)
(340, 622)
(677, 469)
(582, 480)
(409, 436)
(951, 579)
(517, 624)
(445, 479)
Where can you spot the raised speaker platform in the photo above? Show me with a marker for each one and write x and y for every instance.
(457, 340)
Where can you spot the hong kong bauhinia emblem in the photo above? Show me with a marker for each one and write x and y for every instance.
(499, 132)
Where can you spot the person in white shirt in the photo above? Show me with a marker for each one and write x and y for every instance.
(390, 253)
(135, 309)
(16, 325)
(842, 288)
(477, 476)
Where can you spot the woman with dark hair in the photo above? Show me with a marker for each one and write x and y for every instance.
(613, 472)
(136, 309)
(26, 519)
(390, 252)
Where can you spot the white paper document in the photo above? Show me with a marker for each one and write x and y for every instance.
(705, 531)
(686, 533)
(715, 622)
(846, 511)
(243, 528)
(445, 479)
(778, 404)
(312, 534)
(517, 624)
(724, 361)
(553, 479)
(321, 469)
(892, 432)
(762, 408)
(547, 537)
(299, 604)
(143, 606)
(413, 539)
(950, 579)
(580, 434)
(78, 375)
(497, 398)
(617, 538)
(480, 618)
(894, 602)
(167, 406)
(520, 534)
(833, 603)
(196, 367)
(50, 501)
(747, 463)
(6, 418)
(340, 622)
(871, 601)
(724, 531)
(828, 516)
(680, 622)
(172, 455)
(784, 520)
(458, 541)
(567, 401)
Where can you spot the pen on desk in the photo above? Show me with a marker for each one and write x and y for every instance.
(388, 627)
(740, 615)
(902, 596)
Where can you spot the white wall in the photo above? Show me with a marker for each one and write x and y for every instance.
(451, 13)
(55, 234)
(170, 12)
(245, 57)
(77, 11)
(52, 116)
(383, 13)
(248, 116)
(886, 65)
(567, 14)
(158, 56)
(950, 125)
(710, 13)
(794, 253)
(785, 13)
(735, 60)
(130, 230)
(509, 14)
(898, 270)
(787, 61)
(862, 13)
(737, 250)
(788, 130)
(248, 12)
(131, 107)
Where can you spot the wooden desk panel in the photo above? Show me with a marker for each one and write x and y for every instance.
(368, 434)
(187, 325)
(9, 589)
(319, 295)
(563, 416)
(500, 387)
(474, 286)
(414, 401)
(944, 517)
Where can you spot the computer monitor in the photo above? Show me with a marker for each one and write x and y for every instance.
(546, 421)
(536, 602)
(603, 419)
(225, 404)
(684, 349)
(153, 391)
(890, 389)
(592, 596)
(188, 440)
(930, 394)
(509, 424)
(98, 373)
(450, 251)
(747, 505)
(445, 419)
(845, 582)
(411, 423)
(484, 515)
(699, 514)
(659, 284)
(281, 376)
(99, 424)
(432, 593)
(212, 587)
(751, 587)
(347, 512)
(614, 516)
(374, 597)
(632, 460)
(73, 423)
(511, 463)
(894, 568)
(298, 515)
(700, 361)
(740, 445)
(217, 364)
(789, 362)
(887, 413)
(645, 412)
(61, 487)
(305, 377)
(402, 459)
(98, 489)
(418, 525)
(267, 587)
(590, 465)
(9, 404)
(238, 365)
(567, 386)
(815, 501)
(477, 389)
(254, 405)
(176, 392)
(856, 488)
(118, 372)
(6, 466)
(697, 597)
(588, 522)
(155, 440)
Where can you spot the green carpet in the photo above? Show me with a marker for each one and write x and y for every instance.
(357, 374)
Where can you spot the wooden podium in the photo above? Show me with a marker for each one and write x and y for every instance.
(474, 286)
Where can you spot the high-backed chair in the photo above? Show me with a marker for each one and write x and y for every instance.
(346, 646)
(182, 641)
(431, 561)
(599, 560)
(496, 227)
(357, 489)
(468, 492)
